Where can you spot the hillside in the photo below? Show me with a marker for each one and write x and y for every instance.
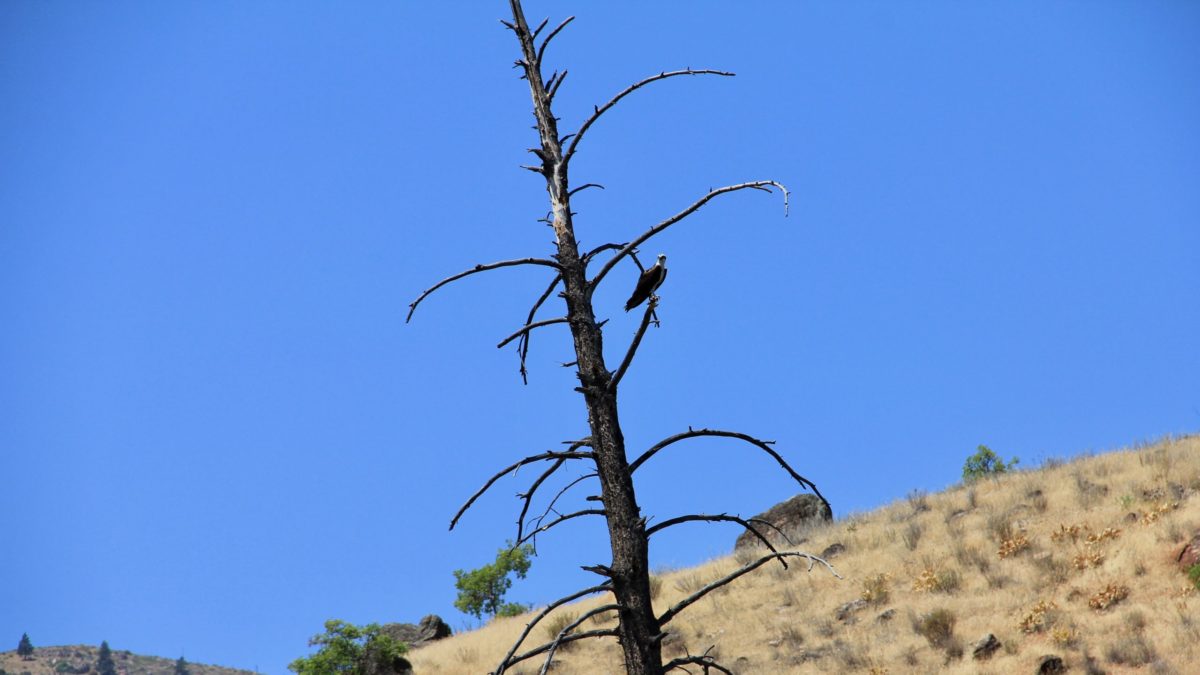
(79, 659)
(1075, 560)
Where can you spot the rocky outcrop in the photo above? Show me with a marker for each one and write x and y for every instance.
(1189, 555)
(792, 517)
(985, 647)
(416, 635)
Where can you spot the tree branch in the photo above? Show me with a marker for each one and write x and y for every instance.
(550, 507)
(753, 185)
(530, 326)
(726, 518)
(627, 91)
(523, 346)
(749, 567)
(704, 660)
(475, 270)
(584, 187)
(570, 627)
(527, 496)
(556, 521)
(542, 50)
(507, 661)
(528, 460)
(603, 632)
(637, 340)
(764, 445)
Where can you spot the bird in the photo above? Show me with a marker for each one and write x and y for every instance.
(649, 282)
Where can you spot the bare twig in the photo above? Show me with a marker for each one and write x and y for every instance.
(528, 460)
(530, 326)
(704, 660)
(730, 519)
(475, 270)
(550, 507)
(527, 496)
(637, 340)
(753, 185)
(749, 567)
(540, 27)
(553, 89)
(764, 445)
(600, 110)
(606, 586)
(542, 50)
(570, 627)
(523, 345)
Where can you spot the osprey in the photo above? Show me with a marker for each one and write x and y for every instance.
(649, 282)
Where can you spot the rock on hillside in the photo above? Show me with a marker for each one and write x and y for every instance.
(81, 659)
(791, 517)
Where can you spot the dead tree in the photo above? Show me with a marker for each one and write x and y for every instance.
(626, 577)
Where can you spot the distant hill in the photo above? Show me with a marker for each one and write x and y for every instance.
(81, 659)
(1071, 565)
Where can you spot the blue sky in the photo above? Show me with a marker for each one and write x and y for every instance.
(218, 432)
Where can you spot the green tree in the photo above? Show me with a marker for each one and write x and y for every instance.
(181, 667)
(356, 650)
(25, 647)
(986, 463)
(104, 664)
(481, 591)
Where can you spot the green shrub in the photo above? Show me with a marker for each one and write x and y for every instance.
(1194, 574)
(346, 648)
(482, 590)
(985, 463)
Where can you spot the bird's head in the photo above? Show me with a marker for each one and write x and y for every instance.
(662, 258)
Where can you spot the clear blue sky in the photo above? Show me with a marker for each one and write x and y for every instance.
(218, 432)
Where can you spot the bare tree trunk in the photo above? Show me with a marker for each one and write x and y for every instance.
(638, 627)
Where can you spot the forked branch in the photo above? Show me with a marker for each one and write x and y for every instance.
(705, 661)
(527, 496)
(587, 124)
(412, 307)
(556, 521)
(764, 185)
(542, 649)
(764, 445)
(745, 569)
(512, 467)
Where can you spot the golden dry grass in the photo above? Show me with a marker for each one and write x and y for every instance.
(1073, 559)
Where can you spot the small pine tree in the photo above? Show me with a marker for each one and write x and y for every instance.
(104, 664)
(25, 647)
(482, 591)
(181, 667)
(984, 463)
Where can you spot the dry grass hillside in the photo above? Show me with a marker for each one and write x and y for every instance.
(1074, 559)
(81, 659)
